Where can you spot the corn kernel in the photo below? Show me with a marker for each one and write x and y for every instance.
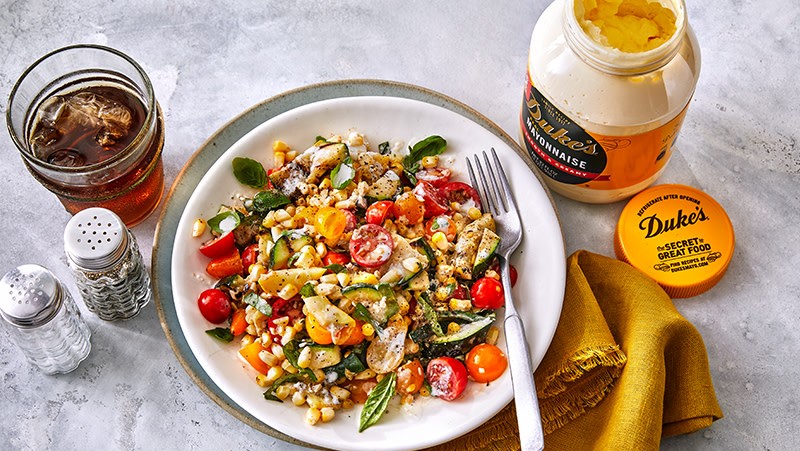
(492, 335)
(321, 249)
(460, 305)
(283, 391)
(246, 340)
(278, 159)
(327, 414)
(424, 391)
(312, 416)
(279, 146)
(277, 350)
(261, 380)
(410, 347)
(492, 273)
(412, 264)
(291, 155)
(266, 338)
(274, 373)
(430, 162)
(366, 374)
(453, 328)
(329, 278)
(474, 213)
(348, 404)
(304, 359)
(288, 291)
(367, 329)
(439, 239)
(355, 139)
(269, 358)
(298, 399)
(282, 215)
(455, 206)
(198, 228)
(288, 335)
(325, 183)
(340, 393)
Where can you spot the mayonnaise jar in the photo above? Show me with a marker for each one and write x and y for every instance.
(608, 85)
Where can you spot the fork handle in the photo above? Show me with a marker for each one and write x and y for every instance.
(529, 418)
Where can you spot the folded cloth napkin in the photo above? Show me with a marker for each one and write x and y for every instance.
(624, 369)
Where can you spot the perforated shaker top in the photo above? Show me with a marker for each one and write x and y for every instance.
(30, 295)
(95, 238)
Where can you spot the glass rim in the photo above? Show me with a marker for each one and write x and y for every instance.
(150, 117)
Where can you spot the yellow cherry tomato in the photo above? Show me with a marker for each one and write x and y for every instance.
(330, 222)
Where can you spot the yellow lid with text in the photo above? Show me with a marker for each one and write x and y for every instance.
(677, 235)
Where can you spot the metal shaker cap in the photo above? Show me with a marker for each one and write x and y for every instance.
(95, 238)
(30, 296)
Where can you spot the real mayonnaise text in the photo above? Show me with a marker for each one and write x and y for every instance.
(607, 89)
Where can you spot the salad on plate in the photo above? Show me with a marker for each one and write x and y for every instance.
(354, 275)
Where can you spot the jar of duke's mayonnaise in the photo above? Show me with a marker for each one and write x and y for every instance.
(608, 85)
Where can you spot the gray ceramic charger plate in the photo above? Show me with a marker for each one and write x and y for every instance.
(207, 155)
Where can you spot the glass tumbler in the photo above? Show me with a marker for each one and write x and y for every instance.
(88, 127)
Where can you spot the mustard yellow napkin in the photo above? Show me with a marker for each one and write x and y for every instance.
(624, 369)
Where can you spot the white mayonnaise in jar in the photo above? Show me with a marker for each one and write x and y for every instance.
(608, 85)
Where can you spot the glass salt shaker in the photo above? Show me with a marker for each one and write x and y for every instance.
(108, 267)
(43, 319)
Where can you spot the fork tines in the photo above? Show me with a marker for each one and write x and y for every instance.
(498, 199)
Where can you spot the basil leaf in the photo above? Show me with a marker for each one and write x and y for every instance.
(392, 307)
(221, 334)
(308, 290)
(285, 379)
(268, 200)
(343, 173)
(249, 172)
(355, 361)
(258, 303)
(225, 221)
(430, 314)
(291, 351)
(377, 401)
(428, 147)
(384, 148)
(336, 268)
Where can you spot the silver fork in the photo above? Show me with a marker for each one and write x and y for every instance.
(495, 194)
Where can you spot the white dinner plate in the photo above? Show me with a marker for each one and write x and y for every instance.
(429, 421)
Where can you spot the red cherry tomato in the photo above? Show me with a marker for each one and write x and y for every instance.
(371, 245)
(487, 293)
(459, 292)
(486, 362)
(379, 211)
(461, 193)
(335, 258)
(441, 223)
(214, 305)
(222, 245)
(249, 256)
(447, 376)
(435, 203)
(435, 176)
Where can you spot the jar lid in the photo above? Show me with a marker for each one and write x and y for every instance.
(677, 235)
(95, 238)
(30, 296)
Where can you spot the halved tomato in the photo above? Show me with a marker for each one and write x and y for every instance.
(447, 376)
(435, 176)
(441, 223)
(461, 193)
(435, 203)
(379, 211)
(222, 245)
(371, 246)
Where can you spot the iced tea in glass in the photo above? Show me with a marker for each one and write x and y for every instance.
(87, 124)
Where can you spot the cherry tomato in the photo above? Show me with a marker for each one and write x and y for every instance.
(409, 207)
(435, 176)
(441, 223)
(459, 292)
(487, 293)
(214, 305)
(410, 377)
(435, 203)
(330, 222)
(269, 180)
(461, 193)
(352, 221)
(359, 389)
(371, 245)
(486, 362)
(226, 265)
(335, 258)
(316, 332)
(379, 211)
(447, 376)
(219, 246)
(249, 256)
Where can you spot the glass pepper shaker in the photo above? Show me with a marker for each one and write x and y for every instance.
(108, 267)
(43, 319)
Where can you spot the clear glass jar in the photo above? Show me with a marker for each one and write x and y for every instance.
(600, 123)
(88, 127)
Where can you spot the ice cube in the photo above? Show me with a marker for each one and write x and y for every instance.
(67, 158)
(93, 111)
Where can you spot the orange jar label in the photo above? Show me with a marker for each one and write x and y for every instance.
(567, 153)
